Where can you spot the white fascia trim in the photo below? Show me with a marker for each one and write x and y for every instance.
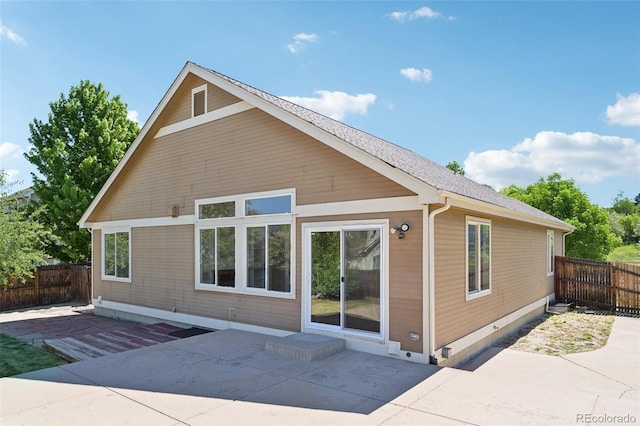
(134, 146)
(474, 337)
(147, 222)
(212, 323)
(427, 194)
(377, 205)
(461, 201)
(208, 117)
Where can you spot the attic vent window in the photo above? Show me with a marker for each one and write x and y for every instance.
(198, 100)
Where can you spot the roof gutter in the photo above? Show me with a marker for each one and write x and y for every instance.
(466, 202)
(432, 278)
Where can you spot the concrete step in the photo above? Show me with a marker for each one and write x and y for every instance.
(305, 346)
(559, 308)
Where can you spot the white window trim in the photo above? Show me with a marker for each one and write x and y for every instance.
(114, 230)
(551, 252)
(241, 222)
(202, 88)
(470, 220)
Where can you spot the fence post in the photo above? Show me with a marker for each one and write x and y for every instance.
(36, 287)
(614, 286)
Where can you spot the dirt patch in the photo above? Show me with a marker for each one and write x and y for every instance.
(562, 334)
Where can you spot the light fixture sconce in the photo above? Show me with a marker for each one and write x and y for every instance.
(175, 210)
(402, 229)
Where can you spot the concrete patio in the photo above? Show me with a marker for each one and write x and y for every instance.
(227, 378)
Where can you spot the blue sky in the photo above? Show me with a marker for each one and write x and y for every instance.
(513, 90)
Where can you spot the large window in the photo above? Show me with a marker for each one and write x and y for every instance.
(243, 243)
(116, 255)
(550, 252)
(478, 257)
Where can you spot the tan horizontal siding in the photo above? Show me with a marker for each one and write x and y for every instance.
(180, 108)
(162, 278)
(518, 261)
(247, 152)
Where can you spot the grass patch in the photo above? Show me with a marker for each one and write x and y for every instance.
(19, 357)
(629, 253)
(563, 334)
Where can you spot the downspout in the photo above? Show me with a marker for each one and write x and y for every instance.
(432, 278)
(564, 241)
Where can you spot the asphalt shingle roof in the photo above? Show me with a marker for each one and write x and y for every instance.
(427, 171)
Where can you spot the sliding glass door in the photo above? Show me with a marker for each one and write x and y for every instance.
(345, 285)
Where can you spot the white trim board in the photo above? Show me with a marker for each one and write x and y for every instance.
(486, 331)
(208, 117)
(145, 222)
(131, 311)
(212, 323)
(376, 205)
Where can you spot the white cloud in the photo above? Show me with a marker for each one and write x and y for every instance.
(422, 13)
(583, 156)
(11, 35)
(300, 42)
(11, 175)
(133, 116)
(10, 150)
(414, 74)
(626, 111)
(335, 104)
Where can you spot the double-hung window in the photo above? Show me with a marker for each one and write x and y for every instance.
(550, 252)
(478, 257)
(116, 259)
(243, 243)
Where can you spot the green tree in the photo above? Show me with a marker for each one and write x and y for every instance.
(22, 237)
(624, 205)
(593, 238)
(86, 135)
(455, 167)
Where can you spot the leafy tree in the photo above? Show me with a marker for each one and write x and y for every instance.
(22, 238)
(593, 238)
(625, 226)
(455, 167)
(624, 205)
(76, 150)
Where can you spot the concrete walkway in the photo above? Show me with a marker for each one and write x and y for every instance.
(226, 378)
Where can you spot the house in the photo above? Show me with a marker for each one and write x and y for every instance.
(236, 208)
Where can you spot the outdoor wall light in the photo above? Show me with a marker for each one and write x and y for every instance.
(402, 229)
(175, 210)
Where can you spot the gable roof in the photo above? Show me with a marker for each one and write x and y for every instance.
(391, 159)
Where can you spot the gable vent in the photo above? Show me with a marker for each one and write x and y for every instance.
(199, 100)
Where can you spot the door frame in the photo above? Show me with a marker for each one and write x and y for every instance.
(306, 324)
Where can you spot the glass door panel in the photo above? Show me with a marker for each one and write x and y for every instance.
(326, 298)
(362, 279)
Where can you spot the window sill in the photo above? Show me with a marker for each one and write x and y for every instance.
(245, 291)
(477, 294)
(116, 279)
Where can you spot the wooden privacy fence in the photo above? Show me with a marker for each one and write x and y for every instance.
(611, 286)
(50, 284)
